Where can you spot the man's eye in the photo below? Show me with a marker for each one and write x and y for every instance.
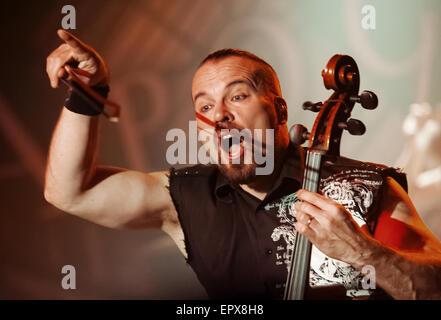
(239, 97)
(206, 108)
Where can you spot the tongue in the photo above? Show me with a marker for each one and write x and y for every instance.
(235, 150)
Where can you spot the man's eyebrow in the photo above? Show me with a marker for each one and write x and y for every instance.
(245, 81)
(232, 83)
(200, 94)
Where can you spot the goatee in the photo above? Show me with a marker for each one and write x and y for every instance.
(237, 174)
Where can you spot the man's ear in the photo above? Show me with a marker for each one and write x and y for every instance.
(281, 109)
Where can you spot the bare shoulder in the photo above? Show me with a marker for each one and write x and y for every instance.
(400, 218)
(157, 198)
(398, 202)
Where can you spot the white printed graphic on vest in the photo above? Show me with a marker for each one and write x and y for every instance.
(351, 189)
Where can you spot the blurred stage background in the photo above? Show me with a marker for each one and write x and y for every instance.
(152, 49)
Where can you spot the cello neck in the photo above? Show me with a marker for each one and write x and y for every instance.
(298, 272)
(311, 175)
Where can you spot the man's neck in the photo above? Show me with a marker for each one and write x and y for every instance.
(263, 184)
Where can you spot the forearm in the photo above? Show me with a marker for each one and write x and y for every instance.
(403, 275)
(109, 196)
(72, 157)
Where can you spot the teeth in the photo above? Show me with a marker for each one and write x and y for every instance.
(227, 136)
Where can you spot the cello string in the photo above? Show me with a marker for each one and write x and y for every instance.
(314, 173)
(305, 183)
(310, 182)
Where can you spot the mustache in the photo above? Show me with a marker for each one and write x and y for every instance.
(229, 126)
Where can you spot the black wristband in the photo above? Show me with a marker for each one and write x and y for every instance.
(79, 101)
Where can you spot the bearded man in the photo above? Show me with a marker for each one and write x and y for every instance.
(236, 227)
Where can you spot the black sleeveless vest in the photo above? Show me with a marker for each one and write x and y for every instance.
(240, 247)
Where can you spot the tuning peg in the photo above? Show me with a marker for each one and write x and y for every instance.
(354, 127)
(367, 99)
(298, 134)
(314, 107)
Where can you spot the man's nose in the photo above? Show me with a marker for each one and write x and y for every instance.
(222, 113)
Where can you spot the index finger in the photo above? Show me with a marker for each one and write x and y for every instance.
(72, 41)
(314, 198)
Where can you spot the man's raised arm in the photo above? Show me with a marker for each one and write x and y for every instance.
(111, 197)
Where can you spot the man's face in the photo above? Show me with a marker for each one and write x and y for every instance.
(231, 93)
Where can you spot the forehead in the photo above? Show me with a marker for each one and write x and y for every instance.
(223, 71)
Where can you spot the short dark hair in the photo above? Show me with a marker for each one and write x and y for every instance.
(268, 74)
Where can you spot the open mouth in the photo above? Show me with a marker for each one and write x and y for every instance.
(232, 145)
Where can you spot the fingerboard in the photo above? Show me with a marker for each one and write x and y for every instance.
(298, 274)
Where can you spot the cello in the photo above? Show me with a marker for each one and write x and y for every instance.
(334, 116)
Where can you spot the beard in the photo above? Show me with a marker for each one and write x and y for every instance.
(238, 173)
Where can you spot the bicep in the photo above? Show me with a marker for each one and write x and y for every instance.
(119, 198)
(399, 225)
